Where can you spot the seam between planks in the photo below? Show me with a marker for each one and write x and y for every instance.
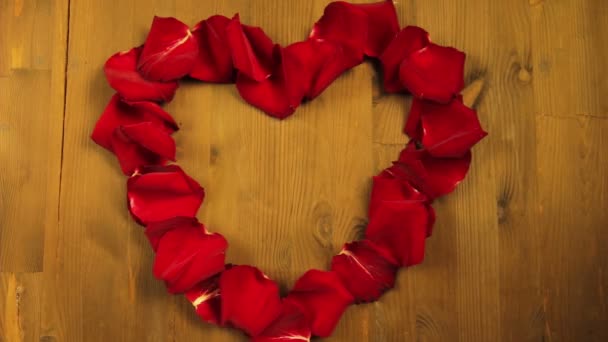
(65, 98)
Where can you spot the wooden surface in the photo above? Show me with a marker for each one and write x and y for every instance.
(520, 250)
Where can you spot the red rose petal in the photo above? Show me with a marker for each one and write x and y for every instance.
(448, 130)
(323, 297)
(399, 230)
(413, 128)
(169, 52)
(206, 299)
(434, 73)
(156, 230)
(364, 272)
(344, 24)
(433, 176)
(121, 72)
(252, 50)
(320, 63)
(214, 60)
(382, 26)
(280, 94)
(387, 188)
(250, 301)
(161, 193)
(121, 113)
(148, 136)
(141, 144)
(407, 41)
(187, 255)
(292, 325)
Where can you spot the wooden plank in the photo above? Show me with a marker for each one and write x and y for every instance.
(569, 62)
(570, 84)
(572, 204)
(32, 52)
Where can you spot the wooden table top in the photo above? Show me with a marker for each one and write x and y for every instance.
(520, 250)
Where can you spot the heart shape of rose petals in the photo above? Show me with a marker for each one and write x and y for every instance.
(164, 199)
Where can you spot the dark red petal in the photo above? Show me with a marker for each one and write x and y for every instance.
(387, 188)
(153, 139)
(169, 52)
(121, 113)
(121, 72)
(206, 299)
(399, 230)
(187, 255)
(292, 325)
(433, 176)
(364, 272)
(323, 297)
(214, 60)
(320, 62)
(449, 130)
(252, 50)
(382, 26)
(413, 126)
(250, 301)
(434, 73)
(156, 230)
(343, 24)
(278, 95)
(163, 192)
(141, 144)
(407, 41)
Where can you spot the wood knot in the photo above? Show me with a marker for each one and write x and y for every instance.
(214, 154)
(323, 219)
(502, 207)
(427, 326)
(524, 75)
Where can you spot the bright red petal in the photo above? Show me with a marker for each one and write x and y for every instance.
(449, 130)
(121, 72)
(399, 230)
(320, 63)
(343, 24)
(250, 301)
(323, 297)
(387, 188)
(252, 50)
(121, 113)
(278, 95)
(206, 299)
(382, 26)
(169, 52)
(156, 230)
(433, 176)
(141, 144)
(407, 41)
(161, 193)
(292, 325)
(187, 255)
(364, 272)
(153, 139)
(214, 60)
(434, 73)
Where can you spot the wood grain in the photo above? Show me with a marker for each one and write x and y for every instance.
(32, 65)
(519, 250)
